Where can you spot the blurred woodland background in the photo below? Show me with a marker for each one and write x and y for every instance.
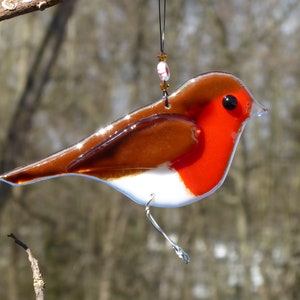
(70, 70)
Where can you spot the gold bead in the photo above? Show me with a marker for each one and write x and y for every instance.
(162, 56)
(164, 86)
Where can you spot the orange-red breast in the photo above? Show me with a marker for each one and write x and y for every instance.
(178, 154)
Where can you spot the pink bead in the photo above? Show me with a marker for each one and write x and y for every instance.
(163, 71)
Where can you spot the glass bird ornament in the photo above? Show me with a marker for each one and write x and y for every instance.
(175, 155)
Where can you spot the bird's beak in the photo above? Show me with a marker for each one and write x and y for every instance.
(257, 110)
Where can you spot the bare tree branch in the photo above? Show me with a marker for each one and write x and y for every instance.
(13, 8)
(38, 282)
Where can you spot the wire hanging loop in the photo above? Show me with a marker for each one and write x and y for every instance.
(178, 250)
(163, 70)
(162, 25)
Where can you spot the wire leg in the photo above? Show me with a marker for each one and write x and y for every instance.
(178, 250)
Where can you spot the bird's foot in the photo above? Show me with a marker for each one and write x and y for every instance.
(178, 250)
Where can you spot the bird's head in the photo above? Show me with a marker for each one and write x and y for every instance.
(219, 96)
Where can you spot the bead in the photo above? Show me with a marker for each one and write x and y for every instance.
(164, 86)
(162, 56)
(163, 71)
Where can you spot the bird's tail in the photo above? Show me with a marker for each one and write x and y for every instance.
(49, 167)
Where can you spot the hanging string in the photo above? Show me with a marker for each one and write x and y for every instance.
(162, 27)
(162, 66)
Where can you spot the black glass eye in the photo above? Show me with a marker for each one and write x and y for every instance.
(230, 102)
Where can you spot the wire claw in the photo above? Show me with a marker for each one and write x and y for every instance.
(178, 250)
(181, 254)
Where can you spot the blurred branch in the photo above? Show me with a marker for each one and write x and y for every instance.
(35, 214)
(31, 96)
(38, 282)
(13, 8)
